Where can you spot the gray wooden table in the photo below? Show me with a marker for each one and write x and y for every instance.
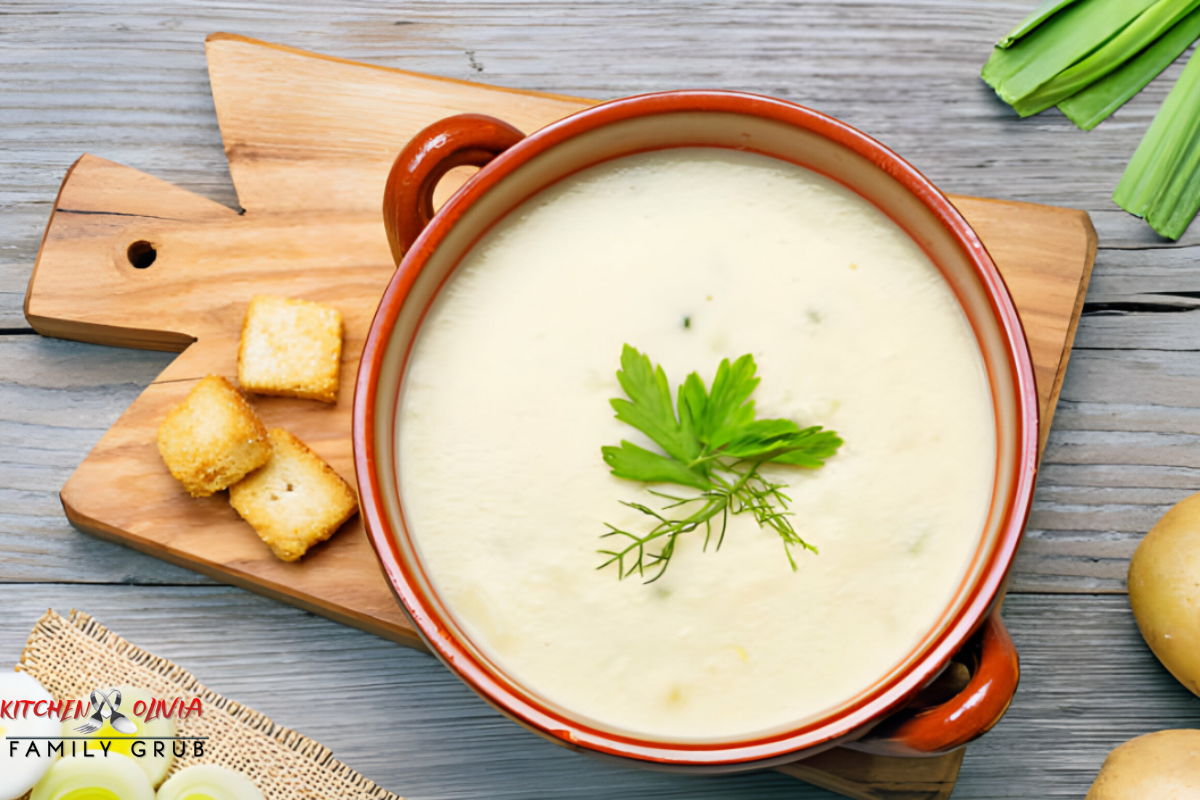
(127, 81)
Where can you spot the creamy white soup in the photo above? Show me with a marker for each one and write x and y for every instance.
(693, 256)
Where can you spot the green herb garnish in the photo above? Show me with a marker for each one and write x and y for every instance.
(712, 443)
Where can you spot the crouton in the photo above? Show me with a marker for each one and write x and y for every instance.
(213, 438)
(295, 500)
(290, 348)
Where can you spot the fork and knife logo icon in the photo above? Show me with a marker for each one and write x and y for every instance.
(106, 708)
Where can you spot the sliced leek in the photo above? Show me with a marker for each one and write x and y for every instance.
(1135, 37)
(1162, 181)
(1093, 105)
(1067, 37)
(1043, 12)
(207, 782)
(150, 746)
(99, 778)
(1089, 57)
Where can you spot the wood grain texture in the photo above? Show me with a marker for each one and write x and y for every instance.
(870, 777)
(286, 115)
(210, 263)
(311, 229)
(904, 71)
(128, 82)
(395, 714)
(56, 400)
(1123, 450)
(309, 132)
(1030, 244)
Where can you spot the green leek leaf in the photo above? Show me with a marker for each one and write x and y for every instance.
(1043, 12)
(1093, 105)
(1069, 36)
(1162, 181)
(1131, 40)
(1181, 198)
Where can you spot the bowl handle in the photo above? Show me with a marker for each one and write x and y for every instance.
(967, 715)
(463, 140)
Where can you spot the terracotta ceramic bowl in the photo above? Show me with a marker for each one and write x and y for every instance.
(891, 716)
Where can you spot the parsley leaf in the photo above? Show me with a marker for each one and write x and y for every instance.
(729, 406)
(713, 443)
(649, 407)
(811, 449)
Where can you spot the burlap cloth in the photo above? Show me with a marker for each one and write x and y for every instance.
(73, 656)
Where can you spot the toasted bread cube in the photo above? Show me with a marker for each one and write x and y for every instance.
(290, 348)
(295, 500)
(213, 438)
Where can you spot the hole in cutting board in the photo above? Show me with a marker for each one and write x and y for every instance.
(141, 254)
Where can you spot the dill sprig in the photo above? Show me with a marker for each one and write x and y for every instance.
(711, 442)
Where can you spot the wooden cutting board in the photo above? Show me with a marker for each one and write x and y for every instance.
(310, 140)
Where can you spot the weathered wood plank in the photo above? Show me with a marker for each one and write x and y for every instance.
(128, 82)
(1176, 329)
(56, 400)
(1123, 275)
(1123, 450)
(1121, 231)
(839, 56)
(1088, 683)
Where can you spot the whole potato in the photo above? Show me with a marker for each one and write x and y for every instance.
(1157, 766)
(1164, 590)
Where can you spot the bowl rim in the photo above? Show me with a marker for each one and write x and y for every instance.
(844, 723)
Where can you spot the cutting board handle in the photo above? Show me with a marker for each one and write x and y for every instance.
(462, 140)
(100, 274)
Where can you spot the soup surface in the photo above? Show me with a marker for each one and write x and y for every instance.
(693, 256)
